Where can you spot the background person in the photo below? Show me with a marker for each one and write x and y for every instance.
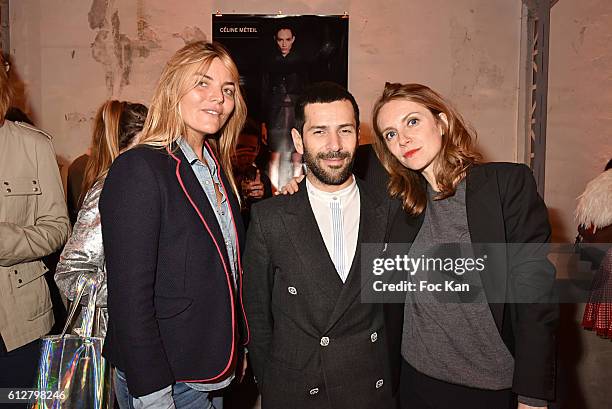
(33, 224)
(115, 127)
(466, 355)
(74, 186)
(254, 183)
(594, 215)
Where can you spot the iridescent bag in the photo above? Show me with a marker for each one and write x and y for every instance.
(72, 372)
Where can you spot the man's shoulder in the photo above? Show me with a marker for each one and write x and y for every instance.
(372, 191)
(267, 207)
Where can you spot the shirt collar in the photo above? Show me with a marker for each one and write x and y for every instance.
(187, 151)
(331, 196)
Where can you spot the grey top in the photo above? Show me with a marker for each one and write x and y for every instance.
(456, 342)
(84, 254)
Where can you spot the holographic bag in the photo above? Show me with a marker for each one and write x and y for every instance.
(72, 372)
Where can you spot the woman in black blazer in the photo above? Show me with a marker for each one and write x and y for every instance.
(172, 238)
(471, 354)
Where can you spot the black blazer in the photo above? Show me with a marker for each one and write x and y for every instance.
(367, 167)
(314, 344)
(503, 206)
(174, 313)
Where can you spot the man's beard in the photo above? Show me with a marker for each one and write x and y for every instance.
(337, 176)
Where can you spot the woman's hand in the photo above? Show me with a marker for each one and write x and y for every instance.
(252, 189)
(292, 186)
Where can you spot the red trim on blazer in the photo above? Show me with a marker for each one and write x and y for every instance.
(240, 272)
(229, 279)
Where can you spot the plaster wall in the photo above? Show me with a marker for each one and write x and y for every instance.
(70, 56)
(579, 134)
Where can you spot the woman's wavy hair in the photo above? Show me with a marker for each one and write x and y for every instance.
(165, 125)
(456, 156)
(115, 127)
(6, 92)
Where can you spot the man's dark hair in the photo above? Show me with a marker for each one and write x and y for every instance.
(322, 93)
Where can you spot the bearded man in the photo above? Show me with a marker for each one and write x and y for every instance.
(313, 343)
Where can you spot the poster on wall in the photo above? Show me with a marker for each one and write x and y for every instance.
(278, 56)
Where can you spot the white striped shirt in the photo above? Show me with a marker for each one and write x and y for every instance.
(337, 215)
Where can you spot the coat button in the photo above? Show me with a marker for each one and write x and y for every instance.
(19, 281)
(324, 341)
(374, 337)
(314, 391)
(8, 190)
(292, 290)
(379, 383)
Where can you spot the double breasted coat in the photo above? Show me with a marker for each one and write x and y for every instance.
(314, 344)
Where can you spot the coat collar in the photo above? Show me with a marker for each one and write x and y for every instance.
(306, 238)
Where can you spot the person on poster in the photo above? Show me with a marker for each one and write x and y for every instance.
(284, 76)
(314, 344)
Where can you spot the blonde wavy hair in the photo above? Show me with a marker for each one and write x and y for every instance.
(456, 156)
(164, 124)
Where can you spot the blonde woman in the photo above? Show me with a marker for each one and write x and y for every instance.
(115, 127)
(172, 237)
(489, 352)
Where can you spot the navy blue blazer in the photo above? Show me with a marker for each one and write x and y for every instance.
(174, 312)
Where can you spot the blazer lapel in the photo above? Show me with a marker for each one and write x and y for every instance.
(485, 219)
(303, 232)
(485, 223)
(374, 212)
(193, 190)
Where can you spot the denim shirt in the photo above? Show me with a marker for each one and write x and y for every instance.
(208, 176)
